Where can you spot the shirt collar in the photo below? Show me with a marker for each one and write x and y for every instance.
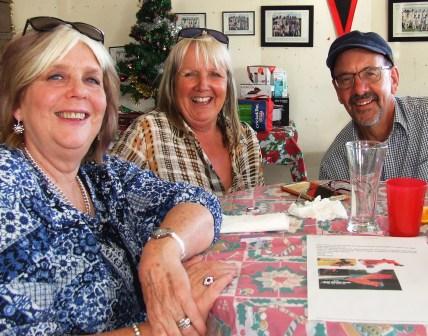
(399, 117)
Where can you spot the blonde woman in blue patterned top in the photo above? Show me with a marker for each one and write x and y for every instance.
(195, 134)
(75, 255)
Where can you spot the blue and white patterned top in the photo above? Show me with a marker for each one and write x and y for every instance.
(65, 272)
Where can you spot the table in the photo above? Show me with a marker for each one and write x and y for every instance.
(270, 295)
(279, 146)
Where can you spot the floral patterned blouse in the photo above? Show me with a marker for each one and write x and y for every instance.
(65, 272)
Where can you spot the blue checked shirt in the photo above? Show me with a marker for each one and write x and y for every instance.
(407, 153)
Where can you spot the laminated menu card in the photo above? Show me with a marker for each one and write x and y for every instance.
(368, 279)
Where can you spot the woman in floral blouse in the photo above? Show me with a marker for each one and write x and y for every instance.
(73, 221)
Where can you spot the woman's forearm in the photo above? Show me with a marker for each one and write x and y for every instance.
(194, 224)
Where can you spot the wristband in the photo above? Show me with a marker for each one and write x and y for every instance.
(180, 243)
(167, 232)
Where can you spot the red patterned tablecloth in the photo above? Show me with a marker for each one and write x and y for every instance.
(270, 295)
(279, 146)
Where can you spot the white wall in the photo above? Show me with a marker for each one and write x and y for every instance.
(114, 17)
(314, 106)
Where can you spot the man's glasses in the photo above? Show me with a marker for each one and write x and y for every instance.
(368, 75)
(336, 189)
(47, 23)
(195, 32)
(339, 186)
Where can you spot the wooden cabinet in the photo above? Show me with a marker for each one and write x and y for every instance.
(5, 23)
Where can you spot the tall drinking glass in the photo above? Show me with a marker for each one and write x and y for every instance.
(365, 159)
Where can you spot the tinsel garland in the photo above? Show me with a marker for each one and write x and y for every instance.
(144, 89)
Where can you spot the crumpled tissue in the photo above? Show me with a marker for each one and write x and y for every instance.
(320, 209)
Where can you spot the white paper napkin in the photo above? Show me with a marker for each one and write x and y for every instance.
(255, 223)
(320, 209)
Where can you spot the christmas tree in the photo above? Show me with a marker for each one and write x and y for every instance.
(154, 34)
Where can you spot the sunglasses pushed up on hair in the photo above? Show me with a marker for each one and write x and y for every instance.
(196, 32)
(48, 23)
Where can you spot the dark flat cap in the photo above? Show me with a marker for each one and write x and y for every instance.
(356, 39)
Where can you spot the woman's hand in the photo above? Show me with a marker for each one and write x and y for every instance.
(165, 284)
(170, 294)
(198, 270)
(166, 289)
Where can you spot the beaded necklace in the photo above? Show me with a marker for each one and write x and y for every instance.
(82, 188)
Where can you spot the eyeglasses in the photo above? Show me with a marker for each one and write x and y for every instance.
(48, 23)
(195, 32)
(328, 189)
(368, 75)
(340, 186)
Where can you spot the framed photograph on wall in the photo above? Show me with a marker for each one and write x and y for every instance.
(287, 26)
(407, 20)
(238, 23)
(117, 53)
(191, 20)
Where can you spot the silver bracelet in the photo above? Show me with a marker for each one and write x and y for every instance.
(136, 329)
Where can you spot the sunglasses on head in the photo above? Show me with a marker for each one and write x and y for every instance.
(195, 32)
(48, 23)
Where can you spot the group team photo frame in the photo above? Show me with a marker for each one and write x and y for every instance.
(238, 23)
(287, 26)
(118, 53)
(407, 21)
(191, 20)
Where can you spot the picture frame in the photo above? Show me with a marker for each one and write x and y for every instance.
(287, 26)
(191, 20)
(238, 23)
(118, 53)
(407, 21)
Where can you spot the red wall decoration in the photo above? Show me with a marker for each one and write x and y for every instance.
(342, 12)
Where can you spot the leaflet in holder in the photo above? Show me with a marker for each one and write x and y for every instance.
(310, 190)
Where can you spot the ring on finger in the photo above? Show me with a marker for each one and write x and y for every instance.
(184, 323)
(208, 281)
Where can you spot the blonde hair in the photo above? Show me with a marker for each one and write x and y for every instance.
(209, 51)
(26, 57)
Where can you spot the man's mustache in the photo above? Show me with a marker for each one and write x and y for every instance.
(368, 95)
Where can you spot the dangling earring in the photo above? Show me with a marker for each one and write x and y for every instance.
(18, 128)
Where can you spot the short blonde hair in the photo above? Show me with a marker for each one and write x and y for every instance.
(208, 50)
(26, 57)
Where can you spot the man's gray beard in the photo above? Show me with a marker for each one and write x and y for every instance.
(371, 123)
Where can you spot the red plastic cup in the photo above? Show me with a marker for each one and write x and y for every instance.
(405, 203)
